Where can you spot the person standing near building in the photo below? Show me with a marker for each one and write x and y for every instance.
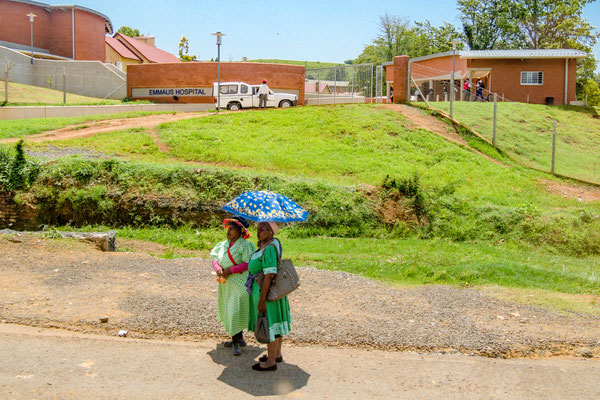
(479, 92)
(467, 89)
(263, 93)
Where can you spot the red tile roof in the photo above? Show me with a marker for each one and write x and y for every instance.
(121, 48)
(151, 53)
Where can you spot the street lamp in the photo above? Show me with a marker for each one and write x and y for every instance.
(31, 17)
(453, 66)
(219, 35)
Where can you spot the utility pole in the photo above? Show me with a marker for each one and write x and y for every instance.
(218, 35)
(31, 17)
(452, 78)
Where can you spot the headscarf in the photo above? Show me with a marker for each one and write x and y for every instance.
(273, 226)
(240, 222)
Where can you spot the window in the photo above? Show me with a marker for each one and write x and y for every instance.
(532, 78)
(244, 89)
(229, 89)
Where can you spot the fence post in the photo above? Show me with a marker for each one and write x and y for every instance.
(371, 85)
(319, 87)
(64, 86)
(334, 84)
(352, 84)
(6, 83)
(495, 113)
(553, 145)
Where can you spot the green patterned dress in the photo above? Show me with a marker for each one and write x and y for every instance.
(232, 309)
(278, 312)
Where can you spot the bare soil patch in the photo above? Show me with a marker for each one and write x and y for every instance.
(581, 192)
(68, 284)
(419, 119)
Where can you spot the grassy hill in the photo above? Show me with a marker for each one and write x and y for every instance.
(307, 64)
(386, 200)
(525, 131)
(19, 94)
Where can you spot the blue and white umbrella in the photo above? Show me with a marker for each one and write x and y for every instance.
(266, 206)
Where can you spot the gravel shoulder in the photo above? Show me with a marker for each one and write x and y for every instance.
(69, 284)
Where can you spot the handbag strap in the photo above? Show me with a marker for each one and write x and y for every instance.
(230, 256)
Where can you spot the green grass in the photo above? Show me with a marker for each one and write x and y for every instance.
(18, 128)
(490, 225)
(525, 131)
(307, 64)
(20, 95)
(410, 261)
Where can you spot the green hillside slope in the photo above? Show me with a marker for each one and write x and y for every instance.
(525, 131)
(19, 94)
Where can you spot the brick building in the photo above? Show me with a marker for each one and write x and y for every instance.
(145, 79)
(534, 76)
(65, 31)
(122, 50)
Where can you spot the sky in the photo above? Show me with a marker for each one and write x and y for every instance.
(308, 30)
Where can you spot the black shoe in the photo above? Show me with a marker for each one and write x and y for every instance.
(229, 343)
(265, 358)
(257, 367)
(236, 350)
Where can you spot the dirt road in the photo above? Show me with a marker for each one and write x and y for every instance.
(68, 284)
(111, 125)
(54, 364)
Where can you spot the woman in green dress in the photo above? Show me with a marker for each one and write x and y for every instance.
(230, 261)
(278, 312)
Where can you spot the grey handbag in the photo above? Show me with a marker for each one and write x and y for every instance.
(285, 281)
(261, 332)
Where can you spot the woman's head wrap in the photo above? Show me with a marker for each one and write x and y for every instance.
(241, 223)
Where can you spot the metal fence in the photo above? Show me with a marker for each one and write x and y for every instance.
(340, 84)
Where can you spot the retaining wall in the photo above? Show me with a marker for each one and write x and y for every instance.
(86, 78)
(16, 217)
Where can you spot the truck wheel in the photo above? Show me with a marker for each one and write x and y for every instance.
(285, 104)
(234, 106)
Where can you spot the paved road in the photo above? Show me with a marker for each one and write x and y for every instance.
(54, 364)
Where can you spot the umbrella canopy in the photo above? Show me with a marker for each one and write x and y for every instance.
(266, 206)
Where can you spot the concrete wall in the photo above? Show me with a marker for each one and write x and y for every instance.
(506, 78)
(280, 77)
(76, 111)
(53, 30)
(86, 78)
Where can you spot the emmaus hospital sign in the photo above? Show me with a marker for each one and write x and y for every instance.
(168, 92)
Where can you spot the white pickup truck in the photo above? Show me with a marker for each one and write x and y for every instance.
(238, 95)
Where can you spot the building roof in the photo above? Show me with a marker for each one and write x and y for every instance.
(150, 53)
(121, 48)
(520, 54)
(533, 53)
(107, 23)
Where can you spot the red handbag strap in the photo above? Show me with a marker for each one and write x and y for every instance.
(230, 256)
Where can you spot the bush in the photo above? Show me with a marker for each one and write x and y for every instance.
(16, 172)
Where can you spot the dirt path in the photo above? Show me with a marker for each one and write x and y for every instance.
(92, 128)
(54, 364)
(420, 120)
(67, 284)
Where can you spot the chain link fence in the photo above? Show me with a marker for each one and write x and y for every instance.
(340, 84)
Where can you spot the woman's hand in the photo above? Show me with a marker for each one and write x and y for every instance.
(262, 307)
(226, 272)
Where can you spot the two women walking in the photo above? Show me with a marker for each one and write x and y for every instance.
(240, 298)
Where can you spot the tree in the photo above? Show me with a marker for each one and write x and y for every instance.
(184, 48)
(489, 24)
(127, 31)
(397, 37)
(554, 23)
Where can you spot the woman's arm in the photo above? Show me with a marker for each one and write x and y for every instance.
(264, 290)
(218, 269)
